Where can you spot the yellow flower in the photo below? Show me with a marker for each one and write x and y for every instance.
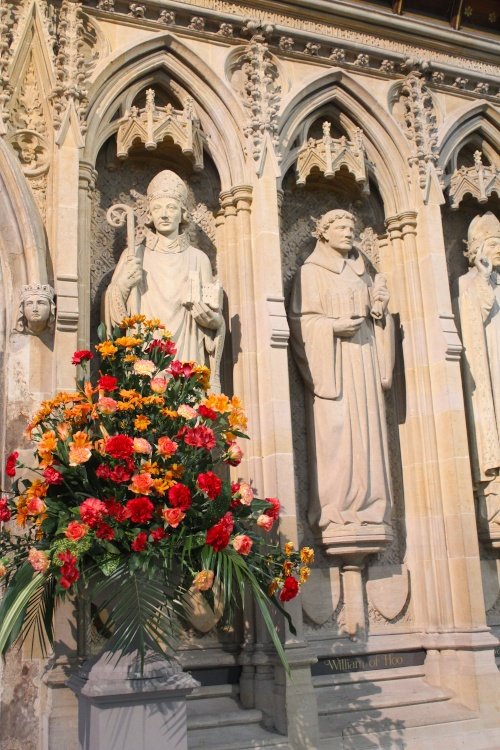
(141, 422)
(202, 374)
(127, 342)
(307, 555)
(48, 442)
(304, 574)
(166, 412)
(131, 321)
(106, 349)
(218, 402)
(288, 549)
(80, 449)
(130, 358)
(273, 586)
(287, 568)
(203, 580)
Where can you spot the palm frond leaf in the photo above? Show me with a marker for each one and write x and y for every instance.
(20, 591)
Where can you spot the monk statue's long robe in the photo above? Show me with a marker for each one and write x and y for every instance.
(344, 377)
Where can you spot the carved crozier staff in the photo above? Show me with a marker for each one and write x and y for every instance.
(116, 216)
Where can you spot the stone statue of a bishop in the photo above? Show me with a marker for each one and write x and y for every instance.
(169, 279)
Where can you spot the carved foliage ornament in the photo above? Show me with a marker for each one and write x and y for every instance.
(71, 65)
(256, 78)
(417, 116)
(153, 124)
(480, 181)
(329, 154)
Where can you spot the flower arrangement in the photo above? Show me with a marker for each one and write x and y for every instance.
(129, 499)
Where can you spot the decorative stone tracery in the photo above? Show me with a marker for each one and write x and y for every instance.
(479, 181)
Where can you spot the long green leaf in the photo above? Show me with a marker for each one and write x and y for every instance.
(13, 606)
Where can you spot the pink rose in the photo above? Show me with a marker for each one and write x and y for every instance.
(242, 544)
(265, 522)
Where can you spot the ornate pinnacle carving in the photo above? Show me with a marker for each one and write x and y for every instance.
(480, 181)
(329, 154)
(8, 19)
(260, 90)
(418, 120)
(153, 124)
(70, 63)
(369, 244)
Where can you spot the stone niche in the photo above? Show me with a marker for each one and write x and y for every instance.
(301, 206)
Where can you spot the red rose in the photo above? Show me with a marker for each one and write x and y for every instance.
(10, 464)
(218, 536)
(117, 511)
(158, 534)
(200, 437)
(53, 476)
(179, 496)
(181, 369)
(120, 474)
(5, 513)
(274, 511)
(140, 541)
(104, 531)
(206, 412)
(103, 471)
(210, 484)
(82, 356)
(140, 509)
(119, 446)
(107, 383)
(92, 511)
(290, 589)
(69, 572)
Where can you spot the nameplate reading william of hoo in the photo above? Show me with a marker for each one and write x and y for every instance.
(367, 662)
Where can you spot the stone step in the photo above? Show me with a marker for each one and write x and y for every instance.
(227, 718)
(364, 696)
(396, 720)
(240, 737)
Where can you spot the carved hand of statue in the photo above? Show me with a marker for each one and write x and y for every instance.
(205, 316)
(347, 326)
(484, 265)
(131, 275)
(380, 296)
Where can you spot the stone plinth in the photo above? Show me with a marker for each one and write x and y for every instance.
(121, 708)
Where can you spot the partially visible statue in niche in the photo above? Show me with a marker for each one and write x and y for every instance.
(478, 307)
(343, 341)
(37, 309)
(169, 279)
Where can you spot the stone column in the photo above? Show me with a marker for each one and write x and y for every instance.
(443, 554)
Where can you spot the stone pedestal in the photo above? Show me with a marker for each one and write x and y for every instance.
(122, 708)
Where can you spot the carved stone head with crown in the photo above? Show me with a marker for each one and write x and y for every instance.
(37, 309)
(167, 198)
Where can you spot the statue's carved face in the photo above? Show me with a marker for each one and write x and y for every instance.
(37, 312)
(491, 250)
(340, 235)
(166, 214)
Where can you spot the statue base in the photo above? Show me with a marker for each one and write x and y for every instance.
(355, 541)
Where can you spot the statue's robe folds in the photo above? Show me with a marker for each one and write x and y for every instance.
(344, 377)
(163, 292)
(478, 308)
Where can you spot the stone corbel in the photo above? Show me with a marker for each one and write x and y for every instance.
(153, 124)
(329, 154)
(280, 331)
(480, 181)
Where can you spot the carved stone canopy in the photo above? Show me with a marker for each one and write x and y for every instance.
(152, 124)
(480, 181)
(329, 154)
